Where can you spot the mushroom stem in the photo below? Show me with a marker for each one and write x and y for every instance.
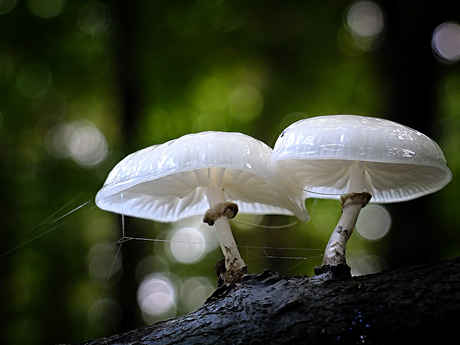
(357, 172)
(352, 203)
(228, 209)
(219, 215)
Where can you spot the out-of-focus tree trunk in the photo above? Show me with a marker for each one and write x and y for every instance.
(130, 101)
(410, 69)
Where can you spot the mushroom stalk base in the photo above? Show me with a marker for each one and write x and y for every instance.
(219, 216)
(352, 203)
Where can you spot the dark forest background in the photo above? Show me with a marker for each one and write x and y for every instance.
(84, 83)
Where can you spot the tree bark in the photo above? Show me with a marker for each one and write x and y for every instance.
(419, 303)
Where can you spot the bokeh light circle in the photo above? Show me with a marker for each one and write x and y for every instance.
(6, 6)
(365, 19)
(105, 316)
(366, 264)
(81, 141)
(94, 18)
(246, 102)
(46, 8)
(88, 146)
(156, 295)
(374, 222)
(33, 80)
(446, 42)
(187, 245)
(194, 292)
(104, 264)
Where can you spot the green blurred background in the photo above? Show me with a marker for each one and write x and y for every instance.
(84, 83)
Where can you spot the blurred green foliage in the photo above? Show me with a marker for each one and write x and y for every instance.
(83, 83)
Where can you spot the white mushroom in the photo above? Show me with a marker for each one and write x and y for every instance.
(212, 174)
(355, 158)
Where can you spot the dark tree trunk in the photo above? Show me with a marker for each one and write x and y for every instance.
(408, 305)
(130, 99)
(413, 77)
(409, 64)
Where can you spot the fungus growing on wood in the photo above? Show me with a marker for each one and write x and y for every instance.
(214, 174)
(358, 159)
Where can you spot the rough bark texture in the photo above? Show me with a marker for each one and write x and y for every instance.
(409, 305)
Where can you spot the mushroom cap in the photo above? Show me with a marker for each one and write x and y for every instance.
(399, 163)
(169, 182)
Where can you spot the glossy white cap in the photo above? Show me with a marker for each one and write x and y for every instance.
(175, 180)
(328, 155)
